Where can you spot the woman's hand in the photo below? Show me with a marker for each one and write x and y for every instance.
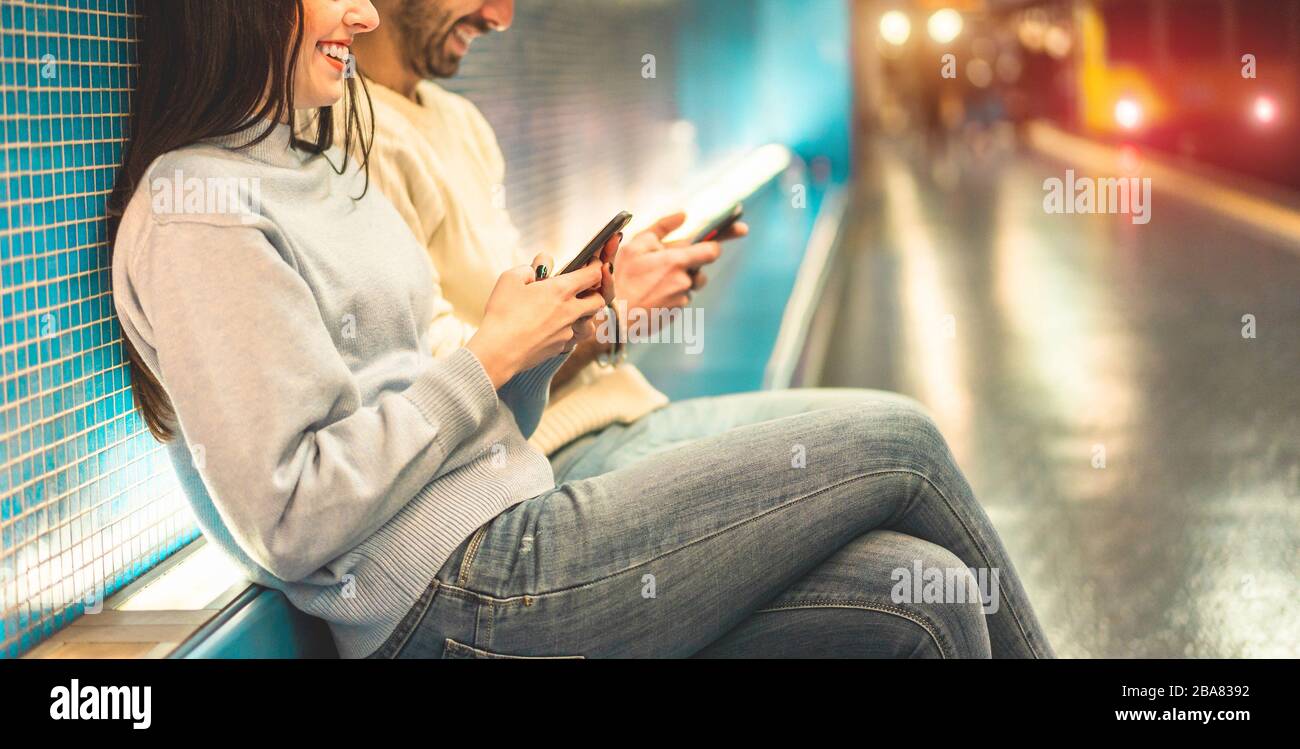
(528, 321)
(590, 347)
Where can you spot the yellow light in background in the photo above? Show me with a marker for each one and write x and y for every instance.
(1057, 42)
(895, 27)
(944, 25)
(1032, 31)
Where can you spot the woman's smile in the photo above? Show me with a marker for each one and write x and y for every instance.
(336, 52)
(324, 65)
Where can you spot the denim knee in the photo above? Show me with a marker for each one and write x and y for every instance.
(914, 423)
(911, 579)
(947, 596)
(929, 584)
(895, 432)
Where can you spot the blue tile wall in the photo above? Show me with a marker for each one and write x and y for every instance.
(87, 500)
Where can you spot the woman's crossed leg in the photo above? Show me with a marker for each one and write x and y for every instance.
(682, 552)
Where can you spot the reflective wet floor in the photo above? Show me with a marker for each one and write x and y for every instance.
(1124, 398)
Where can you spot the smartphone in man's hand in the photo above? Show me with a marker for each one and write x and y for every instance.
(721, 225)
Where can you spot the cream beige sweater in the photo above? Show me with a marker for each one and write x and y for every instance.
(439, 163)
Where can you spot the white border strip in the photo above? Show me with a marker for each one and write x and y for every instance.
(799, 309)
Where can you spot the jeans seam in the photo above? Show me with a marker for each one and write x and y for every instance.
(975, 541)
(414, 622)
(488, 612)
(471, 551)
(447, 589)
(918, 619)
(714, 534)
(884, 472)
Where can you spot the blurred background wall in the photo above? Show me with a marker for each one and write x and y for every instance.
(602, 105)
(769, 71)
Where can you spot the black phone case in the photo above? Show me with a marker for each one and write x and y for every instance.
(721, 225)
(615, 226)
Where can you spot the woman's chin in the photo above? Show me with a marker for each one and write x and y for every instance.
(320, 96)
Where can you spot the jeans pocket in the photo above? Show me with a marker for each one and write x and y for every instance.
(453, 649)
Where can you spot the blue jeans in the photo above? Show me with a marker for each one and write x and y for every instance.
(792, 525)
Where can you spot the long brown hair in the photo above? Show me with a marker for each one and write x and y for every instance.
(210, 68)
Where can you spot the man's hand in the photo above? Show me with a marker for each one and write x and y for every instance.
(653, 275)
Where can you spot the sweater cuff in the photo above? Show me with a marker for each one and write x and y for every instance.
(527, 393)
(455, 395)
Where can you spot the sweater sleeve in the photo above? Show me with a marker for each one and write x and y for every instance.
(298, 468)
(527, 393)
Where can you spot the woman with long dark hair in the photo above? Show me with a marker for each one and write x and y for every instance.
(276, 316)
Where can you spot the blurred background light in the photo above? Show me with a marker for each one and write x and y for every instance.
(1128, 113)
(944, 25)
(979, 72)
(1033, 30)
(895, 27)
(1057, 42)
(1009, 67)
(1265, 110)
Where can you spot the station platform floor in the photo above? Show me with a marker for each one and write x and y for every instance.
(1135, 442)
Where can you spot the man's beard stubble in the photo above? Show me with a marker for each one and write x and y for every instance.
(425, 32)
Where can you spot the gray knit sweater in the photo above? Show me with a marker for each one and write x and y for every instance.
(320, 445)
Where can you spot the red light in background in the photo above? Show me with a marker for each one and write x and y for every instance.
(1128, 114)
(1265, 110)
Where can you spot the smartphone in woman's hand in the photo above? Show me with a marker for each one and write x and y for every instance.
(618, 224)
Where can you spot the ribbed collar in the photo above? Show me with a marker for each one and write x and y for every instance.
(276, 149)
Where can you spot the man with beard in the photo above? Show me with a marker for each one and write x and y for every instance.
(437, 159)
